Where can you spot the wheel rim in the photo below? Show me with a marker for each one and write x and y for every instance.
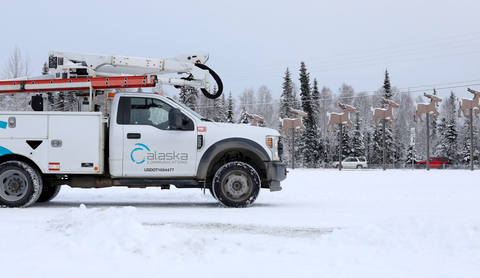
(13, 185)
(237, 186)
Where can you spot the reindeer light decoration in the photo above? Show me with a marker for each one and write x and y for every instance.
(340, 118)
(293, 123)
(469, 104)
(423, 108)
(384, 113)
(256, 119)
(427, 109)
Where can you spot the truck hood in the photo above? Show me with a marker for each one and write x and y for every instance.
(238, 130)
(215, 132)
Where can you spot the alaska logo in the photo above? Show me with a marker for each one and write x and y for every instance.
(138, 151)
(142, 153)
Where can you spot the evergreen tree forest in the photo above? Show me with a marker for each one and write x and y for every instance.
(449, 135)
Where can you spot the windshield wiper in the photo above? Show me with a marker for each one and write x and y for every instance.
(206, 120)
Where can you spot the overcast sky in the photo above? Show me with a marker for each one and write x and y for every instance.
(251, 43)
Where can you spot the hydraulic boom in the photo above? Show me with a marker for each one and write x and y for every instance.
(101, 70)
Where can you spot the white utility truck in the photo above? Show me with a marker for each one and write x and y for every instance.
(146, 140)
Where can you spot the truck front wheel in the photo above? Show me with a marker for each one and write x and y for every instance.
(20, 184)
(236, 184)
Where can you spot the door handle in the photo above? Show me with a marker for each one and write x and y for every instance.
(134, 135)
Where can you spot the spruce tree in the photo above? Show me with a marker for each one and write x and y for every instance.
(369, 144)
(188, 96)
(391, 155)
(71, 102)
(376, 149)
(447, 143)
(243, 117)
(51, 101)
(60, 102)
(320, 141)
(346, 148)
(378, 132)
(411, 156)
(286, 99)
(222, 113)
(183, 95)
(286, 104)
(315, 97)
(387, 87)
(357, 142)
(217, 115)
(309, 145)
(193, 97)
(229, 117)
(464, 151)
(45, 69)
(440, 147)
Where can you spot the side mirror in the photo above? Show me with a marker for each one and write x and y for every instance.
(177, 121)
(175, 118)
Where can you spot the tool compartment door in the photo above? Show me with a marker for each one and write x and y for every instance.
(75, 142)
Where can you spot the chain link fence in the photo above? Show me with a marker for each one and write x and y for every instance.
(406, 167)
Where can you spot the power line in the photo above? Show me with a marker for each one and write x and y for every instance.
(451, 87)
(371, 93)
(396, 56)
(440, 84)
(376, 56)
(256, 76)
(358, 52)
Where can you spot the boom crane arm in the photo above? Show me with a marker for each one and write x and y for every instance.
(66, 65)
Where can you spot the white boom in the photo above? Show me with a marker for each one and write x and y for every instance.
(67, 65)
(72, 64)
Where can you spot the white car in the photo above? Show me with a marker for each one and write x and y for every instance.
(352, 163)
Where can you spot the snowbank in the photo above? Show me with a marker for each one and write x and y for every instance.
(324, 224)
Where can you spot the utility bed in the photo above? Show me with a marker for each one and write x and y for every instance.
(58, 142)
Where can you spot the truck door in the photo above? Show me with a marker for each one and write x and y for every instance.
(151, 149)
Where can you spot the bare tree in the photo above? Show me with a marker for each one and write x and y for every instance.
(363, 103)
(345, 94)
(16, 66)
(266, 106)
(27, 66)
(247, 100)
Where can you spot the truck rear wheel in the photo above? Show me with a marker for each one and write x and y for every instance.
(48, 193)
(20, 184)
(236, 184)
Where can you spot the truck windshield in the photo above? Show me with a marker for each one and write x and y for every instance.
(190, 110)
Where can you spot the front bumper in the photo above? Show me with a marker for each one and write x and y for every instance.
(275, 173)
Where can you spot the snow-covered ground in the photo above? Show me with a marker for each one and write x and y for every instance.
(325, 223)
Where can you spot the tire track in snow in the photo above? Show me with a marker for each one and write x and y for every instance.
(249, 229)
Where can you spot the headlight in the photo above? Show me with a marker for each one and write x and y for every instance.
(272, 144)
